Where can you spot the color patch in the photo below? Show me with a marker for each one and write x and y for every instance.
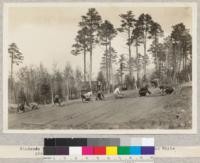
(125, 142)
(123, 150)
(49, 142)
(103, 142)
(148, 142)
(71, 142)
(111, 150)
(135, 150)
(99, 150)
(148, 150)
(136, 142)
(49, 150)
(87, 150)
(61, 150)
(75, 150)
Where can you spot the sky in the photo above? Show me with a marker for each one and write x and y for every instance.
(45, 34)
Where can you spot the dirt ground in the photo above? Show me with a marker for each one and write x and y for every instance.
(132, 112)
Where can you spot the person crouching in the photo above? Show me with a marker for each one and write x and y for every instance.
(117, 93)
(57, 100)
(144, 91)
(100, 95)
(86, 97)
(166, 90)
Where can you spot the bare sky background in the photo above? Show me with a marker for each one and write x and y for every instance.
(46, 34)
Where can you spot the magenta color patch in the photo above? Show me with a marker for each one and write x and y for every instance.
(87, 150)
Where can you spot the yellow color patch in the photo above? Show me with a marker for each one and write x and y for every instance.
(111, 150)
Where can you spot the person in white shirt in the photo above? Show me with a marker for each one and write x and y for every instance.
(87, 96)
(117, 93)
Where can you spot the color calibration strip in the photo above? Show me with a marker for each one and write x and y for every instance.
(99, 146)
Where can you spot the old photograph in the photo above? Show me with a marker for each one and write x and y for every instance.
(103, 66)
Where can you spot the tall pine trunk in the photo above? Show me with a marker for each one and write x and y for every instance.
(107, 80)
(110, 65)
(66, 89)
(52, 97)
(121, 75)
(179, 59)
(138, 69)
(90, 78)
(84, 53)
(175, 64)
(156, 54)
(129, 52)
(145, 54)
(11, 79)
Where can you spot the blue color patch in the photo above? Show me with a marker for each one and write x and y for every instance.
(135, 150)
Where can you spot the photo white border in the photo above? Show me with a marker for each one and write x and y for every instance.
(193, 5)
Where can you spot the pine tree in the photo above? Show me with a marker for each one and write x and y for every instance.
(144, 25)
(136, 40)
(111, 59)
(16, 58)
(127, 26)
(181, 40)
(81, 45)
(92, 21)
(122, 67)
(156, 32)
(106, 33)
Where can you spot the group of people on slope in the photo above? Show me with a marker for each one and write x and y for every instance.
(145, 90)
(86, 97)
(99, 94)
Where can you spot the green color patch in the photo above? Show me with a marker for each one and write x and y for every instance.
(123, 150)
